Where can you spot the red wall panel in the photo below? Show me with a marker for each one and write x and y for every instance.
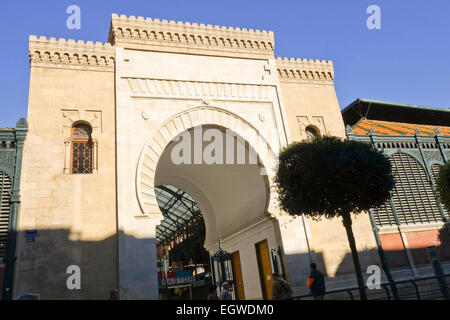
(394, 250)
(418, 241)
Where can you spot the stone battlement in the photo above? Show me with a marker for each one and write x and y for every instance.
(161, 35)
(304, 70)
(71, 54)
(186, 24)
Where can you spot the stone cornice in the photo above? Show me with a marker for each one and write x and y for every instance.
(69, 54)
(184, 89)
(305, 70)
(170, 36)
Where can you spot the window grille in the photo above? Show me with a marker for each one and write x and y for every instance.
(5, 204)
(81, 149)
(412, 195)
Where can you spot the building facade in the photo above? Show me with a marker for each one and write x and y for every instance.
(416, 141)
(104, 120)
(11, 147)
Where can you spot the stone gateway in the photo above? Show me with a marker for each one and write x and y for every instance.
(103, 119)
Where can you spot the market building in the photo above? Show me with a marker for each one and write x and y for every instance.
(412, 222)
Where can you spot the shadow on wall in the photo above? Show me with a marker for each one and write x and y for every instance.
(418, 241)
(444, 247)
(344, 276)
(366, 258)
(41, 265)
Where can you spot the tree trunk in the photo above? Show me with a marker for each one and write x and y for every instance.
(347, 220)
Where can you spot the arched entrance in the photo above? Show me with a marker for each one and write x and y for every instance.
(235, 199)
(200, 116)
(232, 196)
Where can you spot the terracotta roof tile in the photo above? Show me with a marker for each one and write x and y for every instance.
(396, 128)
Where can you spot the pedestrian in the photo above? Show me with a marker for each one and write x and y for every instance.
(316, 282)
(114, 294)
(225, 294)
(212, 293)
(280, 288)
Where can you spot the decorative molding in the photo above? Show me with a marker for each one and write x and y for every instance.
(7, 160)
(394, 142)
(145, 115)
(270, 71)
(315, 121)
(68, 54)
(142, 88)
(159, 35)
(412, 228)
(93, 117)
(305, 70)
(22, 123)
(349, 130)
(162, 136)
(261, 117)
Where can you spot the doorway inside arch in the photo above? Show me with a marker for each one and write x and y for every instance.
(184, 270)
(202, 200)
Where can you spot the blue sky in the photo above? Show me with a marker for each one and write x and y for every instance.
(407, 61)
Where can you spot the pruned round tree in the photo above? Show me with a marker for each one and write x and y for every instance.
(443, 185)
(330, 177)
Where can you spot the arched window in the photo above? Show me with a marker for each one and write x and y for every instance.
(81, 149)
(311, 132)
(412, 195)
(5, 204)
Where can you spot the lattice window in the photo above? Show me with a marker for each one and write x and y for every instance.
(435, 172)
(5, 205)
(81, 149)
(384, 215)
(412, 195)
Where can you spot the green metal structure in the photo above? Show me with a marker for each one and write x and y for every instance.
(415, 163)
(11, 148)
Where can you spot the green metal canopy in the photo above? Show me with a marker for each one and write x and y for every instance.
(181, 215)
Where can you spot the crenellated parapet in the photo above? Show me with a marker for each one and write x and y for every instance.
(71, 54)
(171, 36)
(305, 70)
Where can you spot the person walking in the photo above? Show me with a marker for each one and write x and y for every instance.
(212, 293)
(225, 294)
(316, 282)
(280, 288)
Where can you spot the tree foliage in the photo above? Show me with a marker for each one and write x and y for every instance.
(443, 185)
(329, 176)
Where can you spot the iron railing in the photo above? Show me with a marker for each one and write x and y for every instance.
(427, 288)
